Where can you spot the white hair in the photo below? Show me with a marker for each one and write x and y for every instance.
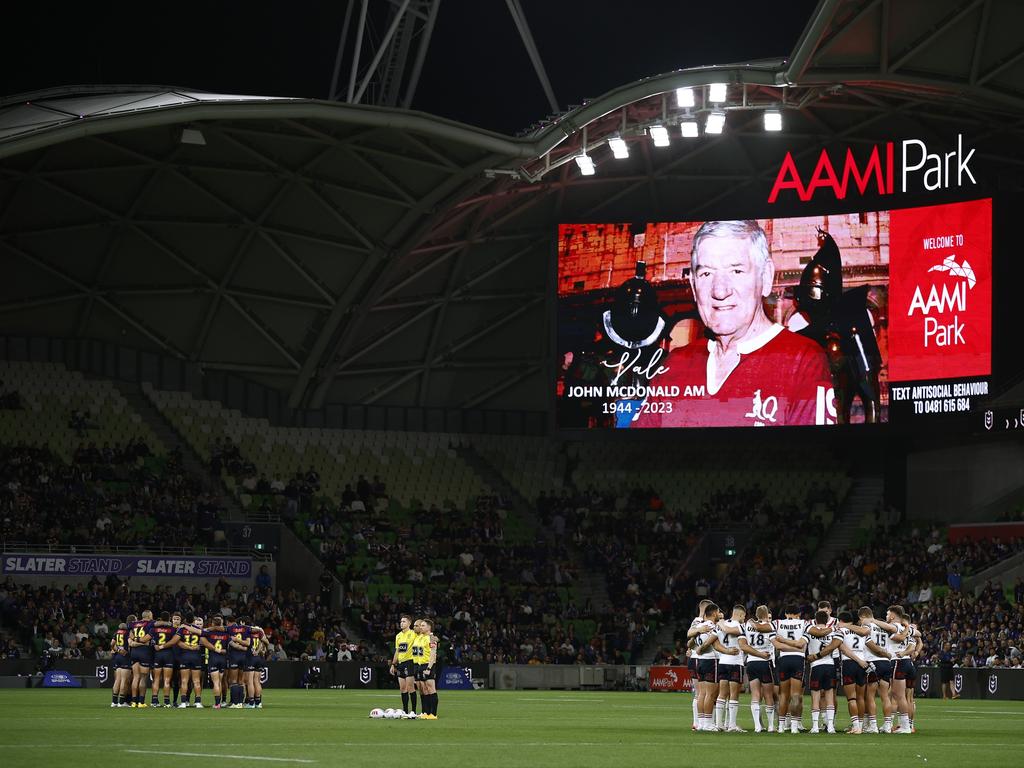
(746, 229)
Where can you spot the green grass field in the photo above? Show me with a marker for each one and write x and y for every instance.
(41, 728)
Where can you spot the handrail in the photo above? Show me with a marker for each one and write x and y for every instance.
(15, 547)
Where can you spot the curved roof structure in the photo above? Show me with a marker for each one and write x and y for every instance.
(353, 254)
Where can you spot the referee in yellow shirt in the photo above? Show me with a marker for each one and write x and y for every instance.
(402, 664)
(425, 657)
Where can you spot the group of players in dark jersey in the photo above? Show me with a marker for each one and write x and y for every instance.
(865, 656)
(178, 653)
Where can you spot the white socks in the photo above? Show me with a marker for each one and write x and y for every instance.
(720, 713)
(755, 711)
(771, 718)
(830, 718)
(734, 710)
(814, 719)
(696, 716)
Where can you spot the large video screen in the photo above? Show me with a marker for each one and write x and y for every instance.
(871, 317)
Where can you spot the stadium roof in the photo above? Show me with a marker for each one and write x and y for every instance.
(355, 254)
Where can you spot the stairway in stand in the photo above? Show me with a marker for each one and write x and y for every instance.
(866, 493)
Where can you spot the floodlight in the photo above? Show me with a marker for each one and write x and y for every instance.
(617, 144)
(715, 123)
(773, 120)
(685, 97)
(659, 135)
(716, 93)
(689, 129)
(586, 164)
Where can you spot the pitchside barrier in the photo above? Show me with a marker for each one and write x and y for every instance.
(26, 673)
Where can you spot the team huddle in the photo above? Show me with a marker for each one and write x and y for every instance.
(415, 665)
(178, 653)
(869, 658)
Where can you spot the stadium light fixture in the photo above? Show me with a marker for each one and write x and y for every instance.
(715, 123)
(717, 93)
(586, 164)
(659, 135)
(773, 120)
(689, 129)
(685, 97)
(617, 144)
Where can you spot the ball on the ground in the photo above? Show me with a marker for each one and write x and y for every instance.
(391, 714)
(376, 713)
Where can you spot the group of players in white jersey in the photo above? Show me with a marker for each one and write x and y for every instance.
(869, 658)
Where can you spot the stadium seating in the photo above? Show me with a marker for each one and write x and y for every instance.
(50, 393)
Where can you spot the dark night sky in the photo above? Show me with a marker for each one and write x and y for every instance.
(476, 71)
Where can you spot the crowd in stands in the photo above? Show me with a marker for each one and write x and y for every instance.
(110, 495)
(77, 621)
(10, 399)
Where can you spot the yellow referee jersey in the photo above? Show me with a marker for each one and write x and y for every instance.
(403, 644)
(421, 649)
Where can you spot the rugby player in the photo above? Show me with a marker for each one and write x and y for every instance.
(191, 661)
(691, 659)
(855, 669)
(402, 665)
(708, 647)
(878, 682)
(791, 641)
(426, 673)
(176, 653)
(757, 645)
(163, 658)
(896, 643)
(215, 639)
(730, 671)
(254, 664)
(122, 664)
(238, 651)
(141, 655)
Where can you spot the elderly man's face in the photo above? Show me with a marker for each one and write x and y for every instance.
(729, 284)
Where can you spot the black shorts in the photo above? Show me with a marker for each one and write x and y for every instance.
(254, 663)
(405, 669)
(190, 660)
(905, 670)
(854, 673)
(425, 672)
(791, 668)
(164, 659)
(142, 655)
(121, 661)
(761, 671)
(691, 664)
(732, 673)
(707, 670)
(883, 671)
(823, 677)
(237, 659)
(217, 662)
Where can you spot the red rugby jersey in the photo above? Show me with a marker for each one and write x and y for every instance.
(782, 379)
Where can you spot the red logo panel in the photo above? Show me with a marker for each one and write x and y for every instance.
(940, 291)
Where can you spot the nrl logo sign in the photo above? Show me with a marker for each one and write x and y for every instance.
(988, 419)
(993, 683)
(365, 674)
(264, 675)
(958, 682)
(925, 682)
(101, 675)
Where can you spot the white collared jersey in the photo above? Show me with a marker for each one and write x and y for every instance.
(853, 642)
(761, 641)
(880, 638)
(913, 641)
(791, 629)
(816, 644)
(833, 624)
(730, 641)
(707, 630)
